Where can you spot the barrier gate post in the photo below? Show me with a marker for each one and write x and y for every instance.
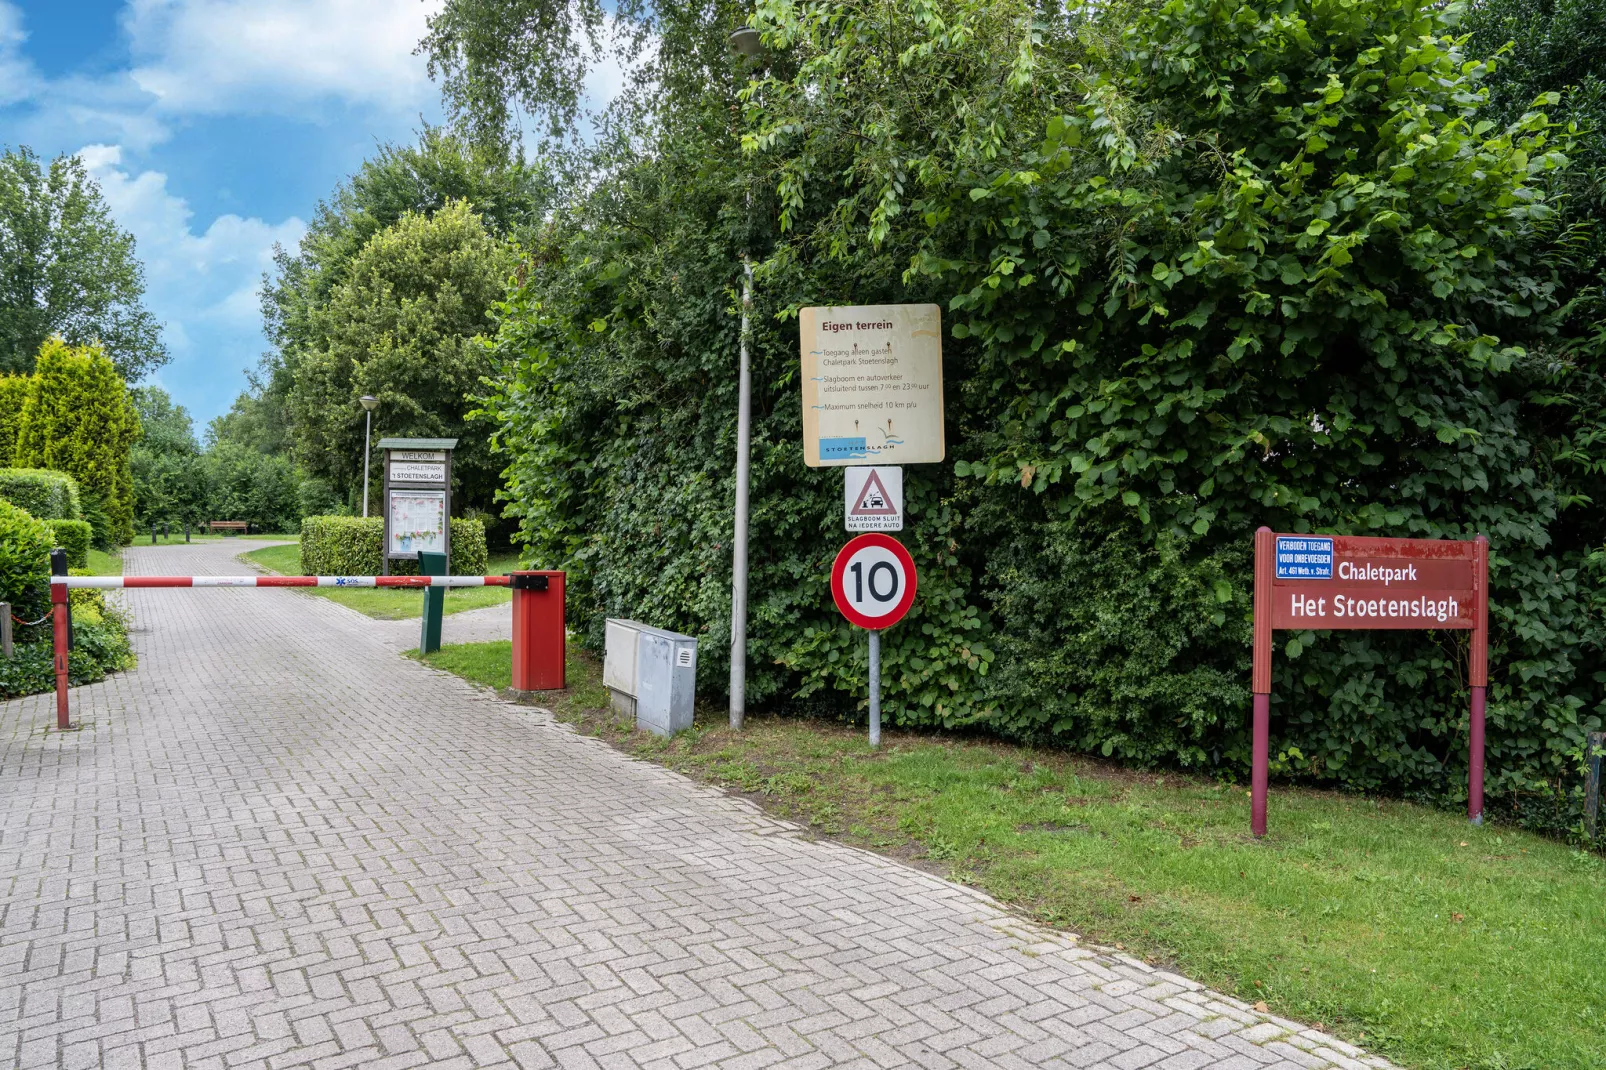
(61, 635)
(432, 563)
(539, 638)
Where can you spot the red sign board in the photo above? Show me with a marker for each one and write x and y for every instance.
(1312, 582)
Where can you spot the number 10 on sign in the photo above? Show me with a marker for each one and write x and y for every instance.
(873, 583)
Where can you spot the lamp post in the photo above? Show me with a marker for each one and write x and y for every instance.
(369, 403)
(745, 40)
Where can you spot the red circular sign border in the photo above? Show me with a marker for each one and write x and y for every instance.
(839, 571)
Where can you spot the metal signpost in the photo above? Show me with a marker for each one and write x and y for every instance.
(873, 582)
(418, 498)
(1320, 582)
(872, 385)
(872, 498)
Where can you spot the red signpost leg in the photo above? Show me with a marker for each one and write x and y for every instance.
(1262, 759)
(1260, 681)
(1478, 677)
(58, 596)
(1475, 760)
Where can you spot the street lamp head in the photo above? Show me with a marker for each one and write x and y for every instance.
(747, 41)
(369, 402)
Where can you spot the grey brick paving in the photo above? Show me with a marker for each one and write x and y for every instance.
(278, 844)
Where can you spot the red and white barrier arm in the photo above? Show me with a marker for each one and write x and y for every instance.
(113, 582)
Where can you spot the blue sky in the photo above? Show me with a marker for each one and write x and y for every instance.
(214, 127)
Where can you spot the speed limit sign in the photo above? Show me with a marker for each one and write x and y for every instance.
(873, 581)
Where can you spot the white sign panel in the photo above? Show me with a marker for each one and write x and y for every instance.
(417, 471)
(417, 521)
(438, 456)
(872, 498)
(872, 385)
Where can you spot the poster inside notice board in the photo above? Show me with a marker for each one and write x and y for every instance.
(417, 521)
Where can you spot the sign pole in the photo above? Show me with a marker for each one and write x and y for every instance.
(744, 417)
(1478, 677)
(1260, 682)
(875, 687)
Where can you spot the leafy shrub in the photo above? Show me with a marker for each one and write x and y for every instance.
(1221, 265)
(100, 646)
(25, 545)
(262, 489)
(14, 391)
(45, 494)
(350, 546)
(74, 536)
(78, 419)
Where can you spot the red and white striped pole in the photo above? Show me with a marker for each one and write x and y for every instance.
(132, 582)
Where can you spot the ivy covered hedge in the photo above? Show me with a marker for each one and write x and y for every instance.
(350, 546)
(1206, 266)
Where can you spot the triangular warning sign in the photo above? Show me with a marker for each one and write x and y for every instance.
(874, 499)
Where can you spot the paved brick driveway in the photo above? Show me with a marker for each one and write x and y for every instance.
(279, 844)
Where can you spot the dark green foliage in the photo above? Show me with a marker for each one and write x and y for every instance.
(170, 479)
(262, 489)
(25, 545)
(1229, 263)
(350, 546)
(66, 269)
(75, 537)
(45, 494)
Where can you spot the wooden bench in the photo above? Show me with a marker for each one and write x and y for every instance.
(239, 527)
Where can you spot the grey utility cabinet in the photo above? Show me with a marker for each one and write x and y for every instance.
(652, 674)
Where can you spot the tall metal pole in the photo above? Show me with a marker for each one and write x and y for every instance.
(744, 417)
(367, 451)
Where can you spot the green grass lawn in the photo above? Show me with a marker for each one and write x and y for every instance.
(1394, 926)
(104, 564)
(388, 603)
(143, 538)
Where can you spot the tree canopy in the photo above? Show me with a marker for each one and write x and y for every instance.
(68, 270)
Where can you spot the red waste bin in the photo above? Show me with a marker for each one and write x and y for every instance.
(539, 639)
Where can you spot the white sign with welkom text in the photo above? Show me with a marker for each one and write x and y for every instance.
(872, 498)
(872, 385)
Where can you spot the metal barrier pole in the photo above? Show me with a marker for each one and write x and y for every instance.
(61, 635)
(431, 563)
(5, 629)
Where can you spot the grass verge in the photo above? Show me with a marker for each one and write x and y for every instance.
(102, 563)
(1394, 926)
(387, 603)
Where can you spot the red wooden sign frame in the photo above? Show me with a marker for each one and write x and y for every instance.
(1309, 582)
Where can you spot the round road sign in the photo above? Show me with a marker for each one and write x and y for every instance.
(873, 581)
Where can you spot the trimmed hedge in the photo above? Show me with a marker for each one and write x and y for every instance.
(24, 563)
(349, 546)
(73, 536)
(45, 494)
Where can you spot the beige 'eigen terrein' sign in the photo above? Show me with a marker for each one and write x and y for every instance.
(872, 385)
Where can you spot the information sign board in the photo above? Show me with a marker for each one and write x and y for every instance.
(872, 498)
(1318, 582)
(872, 385)
(417, 497)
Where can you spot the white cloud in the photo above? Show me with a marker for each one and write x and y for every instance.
(202, 286)
(17, 76)
(220, 56)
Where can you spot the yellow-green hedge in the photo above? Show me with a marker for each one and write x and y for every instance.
(45, 494)
(349, 546)
(74, 536)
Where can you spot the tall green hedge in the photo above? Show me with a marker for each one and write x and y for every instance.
(1217, 266)
(77, 418)
(45, 494)
(350, 546)
(14, 390)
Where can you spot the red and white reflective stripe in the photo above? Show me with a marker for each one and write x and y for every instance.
(112, 582)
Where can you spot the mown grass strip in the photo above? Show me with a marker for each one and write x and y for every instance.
(383, 603)
(1393, 925)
